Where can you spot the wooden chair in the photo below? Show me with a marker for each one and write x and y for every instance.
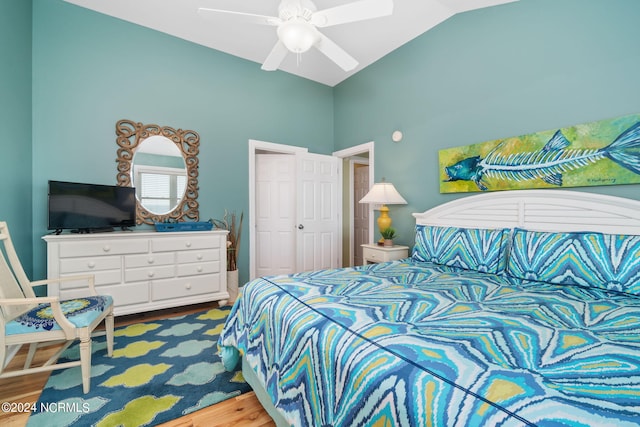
(43, 321)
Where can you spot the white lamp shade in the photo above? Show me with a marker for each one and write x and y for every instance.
(383, 193)
(297, 35)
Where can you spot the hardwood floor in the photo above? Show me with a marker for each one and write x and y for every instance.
(243, 410)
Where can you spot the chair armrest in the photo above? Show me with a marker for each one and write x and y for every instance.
(90, 278)
(68, 327)
(28, 301)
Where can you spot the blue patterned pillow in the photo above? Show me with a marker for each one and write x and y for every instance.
(469, 248)
(608, 261)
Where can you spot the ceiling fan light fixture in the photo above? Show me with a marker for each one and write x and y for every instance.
(297, 23)
(297, 35)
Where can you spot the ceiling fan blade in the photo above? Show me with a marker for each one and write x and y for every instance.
(276, 57)
(335, 53)
(242, 17)
(352, 12)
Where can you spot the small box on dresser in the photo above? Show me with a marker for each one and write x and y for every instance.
(142, 271)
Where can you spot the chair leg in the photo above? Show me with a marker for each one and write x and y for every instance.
(85, 363)
(108, 326)
(32, 351)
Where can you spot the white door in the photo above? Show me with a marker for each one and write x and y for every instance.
(360, 211)
(317, 212)
(275, 210)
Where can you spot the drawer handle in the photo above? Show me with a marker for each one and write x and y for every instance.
(150, 274)
(188, 244)
(106, 248)
(187, 286)
(91, 264)
(199, 257)
(150, 260)
(199, 269)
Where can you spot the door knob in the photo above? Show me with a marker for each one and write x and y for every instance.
(300, 227)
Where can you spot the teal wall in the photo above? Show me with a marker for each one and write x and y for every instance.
(510, 70)
(492, 73)
(15, 123)
(91, 70)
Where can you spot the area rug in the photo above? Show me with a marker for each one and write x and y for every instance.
(160, 370)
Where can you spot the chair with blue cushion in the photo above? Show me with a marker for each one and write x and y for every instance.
(43, 321)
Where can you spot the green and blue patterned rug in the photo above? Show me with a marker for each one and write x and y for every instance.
(160, 370)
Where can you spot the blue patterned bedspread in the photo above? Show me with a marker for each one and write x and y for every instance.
(414, 344)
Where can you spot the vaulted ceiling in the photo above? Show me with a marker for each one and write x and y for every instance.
(367, 41)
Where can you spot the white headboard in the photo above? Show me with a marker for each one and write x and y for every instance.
(541, 210)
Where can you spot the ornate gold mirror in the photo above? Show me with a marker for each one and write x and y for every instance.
(162, 163)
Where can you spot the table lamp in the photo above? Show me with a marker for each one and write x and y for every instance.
(383, 193)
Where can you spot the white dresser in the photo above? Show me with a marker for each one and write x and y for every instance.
(142, 271)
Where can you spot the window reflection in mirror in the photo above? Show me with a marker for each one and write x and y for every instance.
(159, 174)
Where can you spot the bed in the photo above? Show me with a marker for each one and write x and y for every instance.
(514, 308)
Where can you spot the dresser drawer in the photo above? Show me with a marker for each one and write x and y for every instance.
(103, 247)
(198, 268)
(372, 255)
(147, 260)
(127, 294)
(149, 273)
(185, 243)
(185, 287)
(103, 277)
(375, 254)
(198, 256)
(89, 264)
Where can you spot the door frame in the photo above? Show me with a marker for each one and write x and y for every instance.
(355, 151)
(256, 146)
(352, 162)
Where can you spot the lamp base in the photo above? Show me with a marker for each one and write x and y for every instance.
(384, 221)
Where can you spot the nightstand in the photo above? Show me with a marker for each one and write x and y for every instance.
(373, 254)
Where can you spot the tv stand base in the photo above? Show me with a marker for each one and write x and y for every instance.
(92, 230)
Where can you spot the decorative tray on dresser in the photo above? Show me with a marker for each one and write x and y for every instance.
(142, 271)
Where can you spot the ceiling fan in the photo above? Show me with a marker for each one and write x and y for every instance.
(297, 27)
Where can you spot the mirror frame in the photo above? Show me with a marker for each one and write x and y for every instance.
(130, 135)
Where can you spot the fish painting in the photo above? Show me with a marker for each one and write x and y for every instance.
(548, 163)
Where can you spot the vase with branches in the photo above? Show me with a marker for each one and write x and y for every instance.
(233, 225)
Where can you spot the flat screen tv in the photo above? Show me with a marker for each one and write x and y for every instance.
(88, 208)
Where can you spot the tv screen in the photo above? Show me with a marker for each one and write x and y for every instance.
(90, 207)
